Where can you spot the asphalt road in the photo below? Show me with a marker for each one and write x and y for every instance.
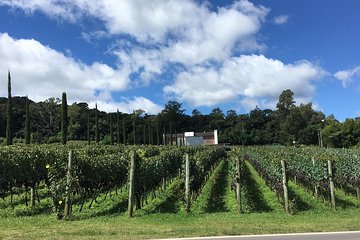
(355, 235)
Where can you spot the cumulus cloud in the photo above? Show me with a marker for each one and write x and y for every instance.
(41, 72)
(129, 105)
(281, 19)
(182, 30)
(255, 79)
(347, 76)
(195, 39)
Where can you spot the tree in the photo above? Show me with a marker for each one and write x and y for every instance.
(27, 122)
(96, 125)
(136, 114)
(117, 127)
(195, 113)
(173, 115)
(283, 107)
(123, 130)
(45, 118)
(64, 118)
(9, 133)
(88, 129)
(111, 130)
(78, 114)
(217, 119)
(286, 101)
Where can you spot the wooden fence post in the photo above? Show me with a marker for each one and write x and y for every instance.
(131, 184)
(67, 210)
(238, 184)
(285, 186)
(316, 189)
(331, 183)
(32, 196)
(187, 183)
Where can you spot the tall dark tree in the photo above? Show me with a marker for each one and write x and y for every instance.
(27, 121)
(123, 130)
(111, 130)
(157, 133)
(173, 114)
(117, 127)
(286, 101)
(9, 133)
(64, 119)
(88, 129)
(96, 125)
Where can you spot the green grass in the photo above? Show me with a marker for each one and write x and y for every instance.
(176, 225)
(212, 197)
(256, 192)
(168, 201)
(301, 200)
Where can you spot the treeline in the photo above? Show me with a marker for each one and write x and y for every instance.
(286, 125)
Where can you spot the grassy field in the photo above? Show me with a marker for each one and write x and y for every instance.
(176, 225)
(164, 215)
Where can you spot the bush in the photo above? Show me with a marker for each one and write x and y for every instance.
(106, 140)
(54, 139)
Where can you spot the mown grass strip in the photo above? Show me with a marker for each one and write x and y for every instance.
(344, 201)
(301, 200)
(212, 197)
(168, 201)
(258, 192)
(176, 225)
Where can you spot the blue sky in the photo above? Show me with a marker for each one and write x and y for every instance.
(133, 54)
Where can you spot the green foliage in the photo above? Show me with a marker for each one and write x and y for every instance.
(97, 137)
(64, 119)
(202, 162)
(9, 121)
(308, 165)
(27, 122)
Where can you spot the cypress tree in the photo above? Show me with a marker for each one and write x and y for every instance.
(88, 130)
(134, 133)
(123, 130)
(27, 121)
(9, 134)
(96, 125)
(111, 131)
(117, 126)
(64, 118)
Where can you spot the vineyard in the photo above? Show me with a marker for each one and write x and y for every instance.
(70, 180)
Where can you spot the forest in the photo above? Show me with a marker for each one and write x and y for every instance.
(288, 124)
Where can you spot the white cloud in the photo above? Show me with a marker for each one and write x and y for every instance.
(198, 34)
(128, 106)
(255, 79)
(218, 33)
(281, 19)
(347, 76)
(41, 72)
(196, 39)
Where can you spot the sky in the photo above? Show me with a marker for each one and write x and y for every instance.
(140, 54)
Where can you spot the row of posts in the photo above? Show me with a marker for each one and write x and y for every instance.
(131, 184)
(285, 185)
(67, 210)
